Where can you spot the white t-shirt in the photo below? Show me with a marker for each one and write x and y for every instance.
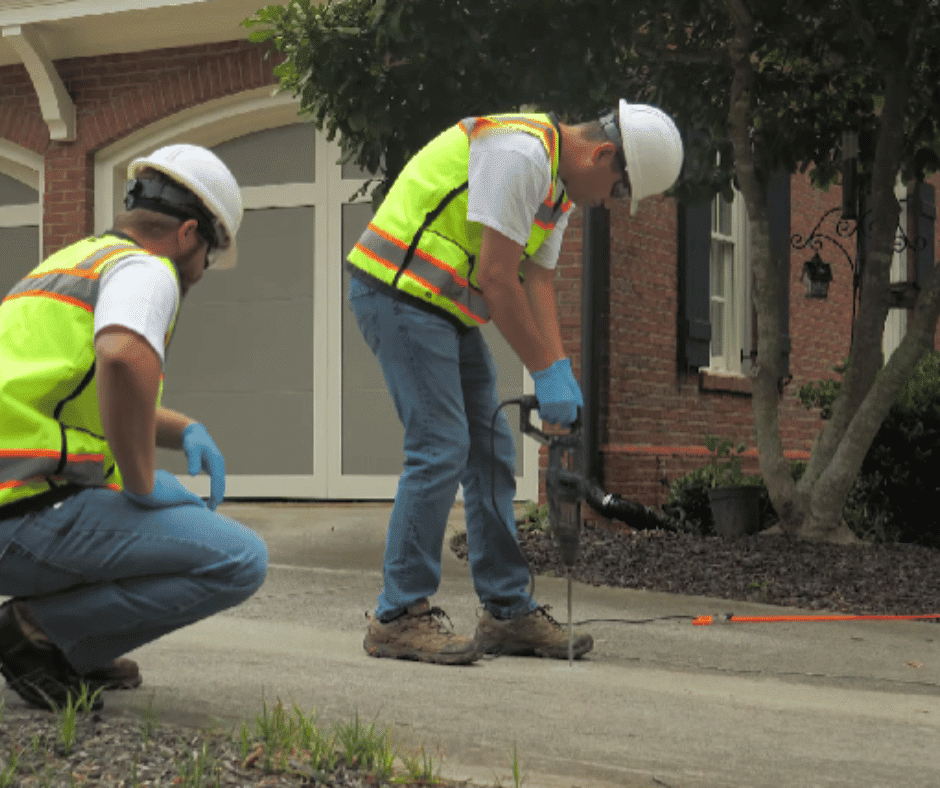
(509, 177)
(138, 293)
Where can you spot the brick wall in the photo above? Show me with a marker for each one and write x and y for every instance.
(655, 419)
(114, 96)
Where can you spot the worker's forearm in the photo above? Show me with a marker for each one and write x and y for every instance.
(127, 415)
(511, 312)
(170, 426)
(540, 291)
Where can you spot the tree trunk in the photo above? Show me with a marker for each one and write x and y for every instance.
(813, 508)
(767, 280)
(868, 391)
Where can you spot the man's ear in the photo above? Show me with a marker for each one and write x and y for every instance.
(187, 230)
(603, 152)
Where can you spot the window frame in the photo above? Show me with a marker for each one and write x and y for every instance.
(736, 318)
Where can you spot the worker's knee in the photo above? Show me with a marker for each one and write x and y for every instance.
(252, 567)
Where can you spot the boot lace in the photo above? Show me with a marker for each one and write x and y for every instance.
(435, 618)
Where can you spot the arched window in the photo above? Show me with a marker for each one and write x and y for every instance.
(20, 214)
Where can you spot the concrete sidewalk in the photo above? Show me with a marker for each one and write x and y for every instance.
(663, 703)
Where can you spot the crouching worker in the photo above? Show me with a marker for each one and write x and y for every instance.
(100, 552)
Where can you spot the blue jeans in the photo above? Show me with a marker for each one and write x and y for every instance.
(443, 382)
(103, 576)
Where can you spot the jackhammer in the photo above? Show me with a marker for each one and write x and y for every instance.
(566, 486)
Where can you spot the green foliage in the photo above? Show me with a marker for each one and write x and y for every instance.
(388, 75)
(688, 508)
(68, 716)
(724, 468)
(420, 770)
(366, 748)
(198, 769)
(822, 393)
(534, 517)
(895, 496)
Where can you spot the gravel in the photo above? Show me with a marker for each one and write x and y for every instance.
(125, 751)
(858, 579)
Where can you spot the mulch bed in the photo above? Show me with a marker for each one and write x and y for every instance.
(864, 578)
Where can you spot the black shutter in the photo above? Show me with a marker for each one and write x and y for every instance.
(778, 205)
(926, 207)
(695, 330)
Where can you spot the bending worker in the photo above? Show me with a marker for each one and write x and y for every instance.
(99, 551)
(470, 231)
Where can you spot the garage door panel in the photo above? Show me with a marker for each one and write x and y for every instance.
(275, 249)
(258, 432)
(241, 347)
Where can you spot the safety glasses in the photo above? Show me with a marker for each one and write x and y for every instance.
(621, 190)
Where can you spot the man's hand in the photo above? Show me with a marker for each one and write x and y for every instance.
(203, 454)
(558, 393)
(167, 492)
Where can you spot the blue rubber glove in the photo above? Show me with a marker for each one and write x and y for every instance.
(558, 393)
(203, 454)
(167, 492)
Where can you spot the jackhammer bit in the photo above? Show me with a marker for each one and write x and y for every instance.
(565, 488)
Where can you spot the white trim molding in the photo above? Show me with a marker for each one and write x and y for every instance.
(58, 109)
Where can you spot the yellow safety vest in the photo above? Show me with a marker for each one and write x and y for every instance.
(50, 426)
(420, 244)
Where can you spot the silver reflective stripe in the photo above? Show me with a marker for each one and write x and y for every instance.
(20, 468)
(548, 215)
(75, 287)
(89, 471)
(469, 124)
(61, 282)
(449, 284)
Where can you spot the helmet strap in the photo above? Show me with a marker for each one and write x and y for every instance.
(171, 200)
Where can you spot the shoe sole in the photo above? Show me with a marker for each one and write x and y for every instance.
(119, 684)
(390, 652)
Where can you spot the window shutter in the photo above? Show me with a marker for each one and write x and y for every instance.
(926, 206)
(695, 331)
(778, 204)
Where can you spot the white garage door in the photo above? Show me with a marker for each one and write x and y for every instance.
(268, 355)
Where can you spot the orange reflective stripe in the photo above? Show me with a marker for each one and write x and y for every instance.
(409, 273)
(56, 296)
(431, 273)
(390, 239)
(28, 453)
(85, 274)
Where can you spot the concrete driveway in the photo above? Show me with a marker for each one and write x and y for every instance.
(662, 703)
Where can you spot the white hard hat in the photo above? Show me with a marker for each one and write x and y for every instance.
(652, 148)
(206, 176)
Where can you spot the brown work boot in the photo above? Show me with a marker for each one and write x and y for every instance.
(534, 634)
(39, 674)
(420, 633)
(118, 674)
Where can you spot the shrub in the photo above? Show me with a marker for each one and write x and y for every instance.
(895, 496)
(688, 508)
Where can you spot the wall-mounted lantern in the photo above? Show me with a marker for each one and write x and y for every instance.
(817, 274)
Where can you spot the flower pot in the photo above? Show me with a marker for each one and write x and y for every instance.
(736, 510)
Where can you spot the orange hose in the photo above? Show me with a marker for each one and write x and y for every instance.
(731, 619)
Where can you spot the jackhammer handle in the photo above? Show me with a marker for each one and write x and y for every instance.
(527, 404)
